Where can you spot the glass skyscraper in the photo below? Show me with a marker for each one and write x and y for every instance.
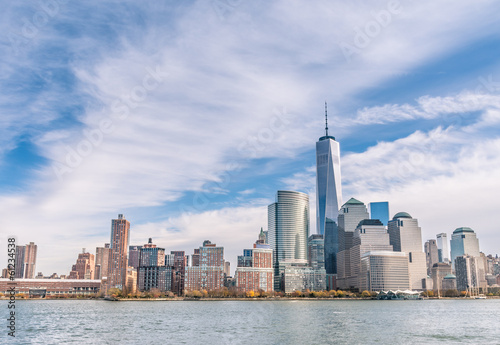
(463, 242)
(443, 251)
(328, 181)
(120, 236)
(380, 210)
(331, 246)
(351, 213)
(288, 226)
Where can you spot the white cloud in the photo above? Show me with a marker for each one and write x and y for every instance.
(427, 108)
(224, 82)
(233, 228)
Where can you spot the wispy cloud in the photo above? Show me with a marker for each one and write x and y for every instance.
(427, 107)
(215, 109)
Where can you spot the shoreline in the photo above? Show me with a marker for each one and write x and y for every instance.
(213, 299)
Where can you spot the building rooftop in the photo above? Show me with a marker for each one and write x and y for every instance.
(450, 276)
(353, 201)
(326, 137)
(463, 229)
(402, 215)
(441, 264)
(370, 222)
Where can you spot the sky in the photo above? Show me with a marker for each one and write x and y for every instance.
(187, 117)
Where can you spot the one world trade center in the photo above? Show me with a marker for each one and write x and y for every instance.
(328, 194)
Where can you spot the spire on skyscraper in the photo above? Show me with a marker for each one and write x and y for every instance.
(326, 119)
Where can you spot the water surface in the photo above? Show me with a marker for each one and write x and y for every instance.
(256, 322)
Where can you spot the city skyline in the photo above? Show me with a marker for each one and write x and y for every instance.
(190, 132)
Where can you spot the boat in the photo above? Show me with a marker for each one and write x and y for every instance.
(110, 298)
(480, 296)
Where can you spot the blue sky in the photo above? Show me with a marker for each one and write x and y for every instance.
(189, 117)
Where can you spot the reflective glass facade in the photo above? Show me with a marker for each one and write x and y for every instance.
(443, 248)
(380, 211)
(331, 246)
(464, 242)
(328, 181)
(288, 224)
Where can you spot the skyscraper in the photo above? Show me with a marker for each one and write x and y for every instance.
(316, 251)
(30, 260)
(379, 210)
(209, 275)
(152, 272)
(328, 180)
(288, 224)
(120, 237)
(331, 246)
(19, 272)
(26, 261)
(406, 236)
(102, 256)
(288, 227)
(467, 272)
(464, 242)
(151, 255)
(431, 255)
(370, 235)
(443, 248)
(384, 270)
(351, 213)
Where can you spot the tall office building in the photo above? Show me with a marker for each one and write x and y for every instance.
(30, 260)
(384, 270)
(152, 272)
(19, 271)
(133, 256)
(288, 231)
(331, 246)
(467, 272)
(102, 257)
(328, 181)
(463, 242)
(379, 210)
(443, 248)
(351, 214)
(431, 255)
(316, 251)
(26, 261)
(151, 255)
(118, 264)
(370, 235)
(406, 236)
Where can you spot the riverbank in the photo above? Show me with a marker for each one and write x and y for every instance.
(229, 299)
